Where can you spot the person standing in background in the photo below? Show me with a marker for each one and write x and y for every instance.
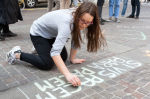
(125, 4)
(114, 4)
(53, 5)
(100, 4)
(9, 14)
(135, 7)
(65, 4)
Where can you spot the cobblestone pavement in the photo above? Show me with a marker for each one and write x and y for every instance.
(120, 71)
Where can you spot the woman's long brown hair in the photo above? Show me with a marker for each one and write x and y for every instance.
(94, 35)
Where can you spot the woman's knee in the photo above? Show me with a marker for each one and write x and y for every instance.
(46, 66)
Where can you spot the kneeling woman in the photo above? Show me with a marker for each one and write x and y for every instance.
(50, 33)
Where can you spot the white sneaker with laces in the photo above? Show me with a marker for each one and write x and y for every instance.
(10, 56)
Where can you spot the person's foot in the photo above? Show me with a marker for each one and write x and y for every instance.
(102, 20)
(110, 19)
(122, 15)
(10, 56)
(117, 20)
(130, 16)
(137, 17)
(9, 34)
(2, 38)
(102, 23)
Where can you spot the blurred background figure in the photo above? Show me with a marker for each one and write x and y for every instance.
(9, 14)
(65, 4)
(135, 7)
(53, 5)
(114, 6)
(74, 2)
(100, 4)
(125, 4)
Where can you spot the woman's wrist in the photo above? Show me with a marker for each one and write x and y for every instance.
(67, 73)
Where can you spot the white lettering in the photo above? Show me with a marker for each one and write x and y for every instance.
(44, 87)
(63, 91)
(86, 71)
(57, 81)
(92, 81)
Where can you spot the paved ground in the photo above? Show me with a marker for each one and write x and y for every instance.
(120, 71)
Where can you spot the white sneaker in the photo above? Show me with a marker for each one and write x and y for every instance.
(117, 20)
(10, 56)
(110, 19)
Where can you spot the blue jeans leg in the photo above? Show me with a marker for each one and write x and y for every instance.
(117, 7)
(125, 4)
(111, 4)
(75, 2)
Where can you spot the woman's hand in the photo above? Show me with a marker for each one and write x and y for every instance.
(73, 79)
(77, 61)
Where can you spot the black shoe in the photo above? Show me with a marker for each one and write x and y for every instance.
(9, 34)
(137, 17)
(102, 23)
(2, 38)
(130, 16)
(102, 20)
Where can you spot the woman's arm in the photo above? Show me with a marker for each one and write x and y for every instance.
(64, 70)
(73, 59)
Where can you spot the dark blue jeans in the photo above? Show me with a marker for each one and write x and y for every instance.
(135, 7)
(100, 4)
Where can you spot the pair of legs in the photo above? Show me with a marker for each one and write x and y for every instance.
(75, 3)
(43, 59)
(100, 4)
(5, 32)
(65, 4)
(135, 8)
(114, 6)
(53, 5)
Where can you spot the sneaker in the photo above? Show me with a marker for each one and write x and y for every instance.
(103, 20)
(101, 23)
(110, 19)
(2, 38)
(9, 34)
(117, 20)
(10, 57)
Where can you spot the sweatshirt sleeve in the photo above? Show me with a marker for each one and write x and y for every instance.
(61, 39)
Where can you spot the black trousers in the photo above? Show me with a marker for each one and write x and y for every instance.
(4, 28)
(100, 4)
(135, 7)
(43, 47)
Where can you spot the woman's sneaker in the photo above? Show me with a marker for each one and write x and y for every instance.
(10, 56)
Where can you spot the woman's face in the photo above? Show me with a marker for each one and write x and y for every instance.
(85, 20)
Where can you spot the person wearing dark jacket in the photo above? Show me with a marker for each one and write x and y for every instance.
(9, 14)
